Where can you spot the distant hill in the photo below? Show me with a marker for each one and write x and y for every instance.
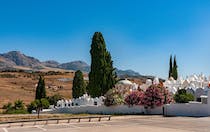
(17, 60)
(51, 63)
(75, 65)
(20, 59)
(127, 72)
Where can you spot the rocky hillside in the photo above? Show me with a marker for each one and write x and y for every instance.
(20, 59)
(17, 60)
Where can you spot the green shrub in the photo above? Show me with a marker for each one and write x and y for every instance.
(38, 105)
(183, 97)
(54, 99)
(23, 111)
(31, 106)
(17, 108)
(113, 97)
(19, 105)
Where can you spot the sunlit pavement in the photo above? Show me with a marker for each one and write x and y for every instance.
(122, 124)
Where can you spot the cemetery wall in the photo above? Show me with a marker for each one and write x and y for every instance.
(118, 109)
(188, 109)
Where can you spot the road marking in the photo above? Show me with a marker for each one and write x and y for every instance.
(5, 130)
(104, 124)
(76, 127)
(72, 126)
(41, 128)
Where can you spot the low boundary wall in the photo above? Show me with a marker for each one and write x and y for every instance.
(188, 109)
(118, 109)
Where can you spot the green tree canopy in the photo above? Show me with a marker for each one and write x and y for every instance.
(170, 67)
(54, 99)
(175, 72)
(38, 105)
(40, 89)
(79, 87)
(102, 76)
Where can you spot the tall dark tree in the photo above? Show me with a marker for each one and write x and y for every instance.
(102, 76)
(40, 89)
(170, 67)
(79, 87)
(110, 74)
(175, 72)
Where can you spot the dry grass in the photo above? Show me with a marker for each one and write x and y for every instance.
(23, 86)
(20, 85)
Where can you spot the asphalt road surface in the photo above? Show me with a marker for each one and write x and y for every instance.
(121, 124)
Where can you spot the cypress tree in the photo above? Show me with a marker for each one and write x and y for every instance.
(40, 89)
(102, 76)
(175, 72)
(78, 85)
(170, 67)
(110, 74)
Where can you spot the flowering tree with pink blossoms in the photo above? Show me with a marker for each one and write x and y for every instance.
(156, 95)
(135, 98)
(168, 97)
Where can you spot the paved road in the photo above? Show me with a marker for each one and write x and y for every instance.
(123, 124)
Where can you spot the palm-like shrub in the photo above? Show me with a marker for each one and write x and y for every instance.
(135, 98)
(18, 107)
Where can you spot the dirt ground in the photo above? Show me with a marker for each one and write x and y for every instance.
(22, 86)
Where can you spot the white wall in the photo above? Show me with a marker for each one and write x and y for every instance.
(186, 110)
(118, 109)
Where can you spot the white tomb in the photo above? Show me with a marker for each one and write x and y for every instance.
(197, 84)
(85, 100)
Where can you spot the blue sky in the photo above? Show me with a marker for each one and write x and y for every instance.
(140, 34)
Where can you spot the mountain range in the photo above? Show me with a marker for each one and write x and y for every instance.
(15, 60)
